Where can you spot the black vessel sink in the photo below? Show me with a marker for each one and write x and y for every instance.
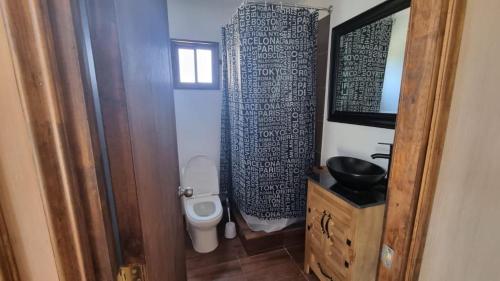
(355, 173)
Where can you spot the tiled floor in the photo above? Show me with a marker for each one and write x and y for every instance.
(230, 262)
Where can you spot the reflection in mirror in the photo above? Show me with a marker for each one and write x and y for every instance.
(367, 66)
(371, 66)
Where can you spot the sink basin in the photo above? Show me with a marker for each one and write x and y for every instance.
(355, 173)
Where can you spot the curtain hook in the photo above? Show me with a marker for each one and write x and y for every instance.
(281, 5)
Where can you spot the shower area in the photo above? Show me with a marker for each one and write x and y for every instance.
(268, 114)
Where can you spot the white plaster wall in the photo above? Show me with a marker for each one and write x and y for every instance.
(463, 238)
(197, 112)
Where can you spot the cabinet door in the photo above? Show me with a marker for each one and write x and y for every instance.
(317, 216)
(315, 229)
(338, 253)
(339, 234)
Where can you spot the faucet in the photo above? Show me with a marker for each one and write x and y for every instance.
(387, 156)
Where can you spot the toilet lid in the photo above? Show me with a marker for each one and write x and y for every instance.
(200, 173)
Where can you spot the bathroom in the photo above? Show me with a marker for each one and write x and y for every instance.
(249, 140)
(198, 123)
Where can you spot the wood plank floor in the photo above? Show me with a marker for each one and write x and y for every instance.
(230, 262)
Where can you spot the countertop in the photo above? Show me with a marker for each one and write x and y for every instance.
(359, 199)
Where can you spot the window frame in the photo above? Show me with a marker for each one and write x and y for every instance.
(194, 45)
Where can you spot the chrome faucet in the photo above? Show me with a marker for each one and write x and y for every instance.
(387, 156)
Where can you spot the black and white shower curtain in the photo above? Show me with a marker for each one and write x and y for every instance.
(268, 111)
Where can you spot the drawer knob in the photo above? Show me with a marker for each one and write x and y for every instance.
(348, 242)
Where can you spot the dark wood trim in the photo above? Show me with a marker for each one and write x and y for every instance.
(431, 53)
(31, 36)
(382, 120)
(8, 266)
(78, 117)
(103, 50)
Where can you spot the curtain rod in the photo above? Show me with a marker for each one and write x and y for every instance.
(290, 5)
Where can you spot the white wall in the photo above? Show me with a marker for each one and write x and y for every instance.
(197, 112)
(463, 239)
(347, 139)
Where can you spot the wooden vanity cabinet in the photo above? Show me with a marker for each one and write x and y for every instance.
(342, 240)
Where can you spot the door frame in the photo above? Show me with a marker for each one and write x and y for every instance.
(62, 126)
(432, 49)
(41, 36)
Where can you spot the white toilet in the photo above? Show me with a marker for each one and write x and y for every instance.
(203, 210)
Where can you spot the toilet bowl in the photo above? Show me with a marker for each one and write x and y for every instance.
(203, 210)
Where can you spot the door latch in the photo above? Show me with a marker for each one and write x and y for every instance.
(386, 256)
(187, 191)
(131, 272)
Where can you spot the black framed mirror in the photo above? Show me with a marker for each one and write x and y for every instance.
(367, 57)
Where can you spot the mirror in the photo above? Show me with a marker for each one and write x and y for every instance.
(367, 66)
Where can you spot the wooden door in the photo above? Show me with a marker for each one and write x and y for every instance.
(126, 47)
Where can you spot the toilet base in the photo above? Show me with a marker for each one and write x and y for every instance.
(204, 240)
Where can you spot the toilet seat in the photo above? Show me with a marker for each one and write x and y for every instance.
(198, 218)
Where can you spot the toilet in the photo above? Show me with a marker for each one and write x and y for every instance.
(203, 210)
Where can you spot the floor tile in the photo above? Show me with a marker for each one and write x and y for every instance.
(276, 266)
(310, 276)
(297, 254)
(228, 271)
(228, 250)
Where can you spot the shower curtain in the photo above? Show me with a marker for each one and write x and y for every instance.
(267, 141)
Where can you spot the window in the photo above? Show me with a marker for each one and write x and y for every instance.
(195, 64)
